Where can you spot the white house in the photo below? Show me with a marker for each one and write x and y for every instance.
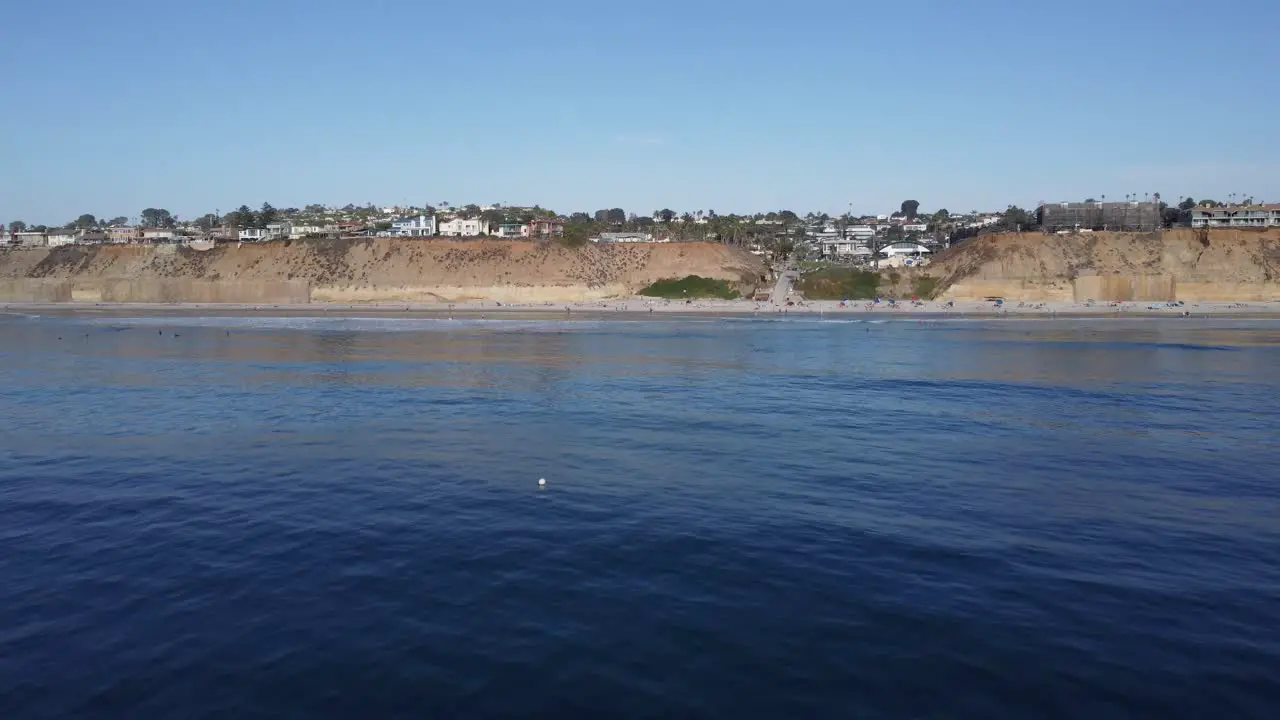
(917, 227)
(984, 221)
(421, 226)
(513, 230)
(255, 234)
(300, 231)
(158, 234)
(464, 227)
(860, 232)
(54, 238)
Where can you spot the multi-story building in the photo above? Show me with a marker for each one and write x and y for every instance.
(56, 238)
(296, 232)
(1236, 216)
(464, 227)
(844, 248)
(546, 227)
(254, 234)
(513, 230)
(29, 238)
(123, 234)
(158, 235)
(1129, 215)
(420, 226)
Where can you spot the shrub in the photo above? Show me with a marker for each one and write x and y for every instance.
(692, 286)
(926, 287)
(840, 283)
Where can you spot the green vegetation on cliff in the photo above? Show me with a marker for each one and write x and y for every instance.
(838, 283)
(692, 287)
(926, 287)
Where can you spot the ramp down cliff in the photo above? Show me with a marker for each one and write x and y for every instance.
(363, 270)
(1181, 264)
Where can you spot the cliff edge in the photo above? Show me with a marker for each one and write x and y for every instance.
(364, 270)
(1179, 264)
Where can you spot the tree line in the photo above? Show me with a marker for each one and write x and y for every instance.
(581, 226)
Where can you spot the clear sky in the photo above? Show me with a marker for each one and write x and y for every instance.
(742, 106)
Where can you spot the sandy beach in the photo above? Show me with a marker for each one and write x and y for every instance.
(640, 308)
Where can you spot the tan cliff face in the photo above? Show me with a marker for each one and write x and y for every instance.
(373, 270)
(1179, 264)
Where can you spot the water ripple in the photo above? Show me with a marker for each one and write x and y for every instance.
(762, 518)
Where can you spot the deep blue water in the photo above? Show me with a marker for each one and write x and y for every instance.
(221, 517)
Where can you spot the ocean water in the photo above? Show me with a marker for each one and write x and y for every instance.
(340, 517)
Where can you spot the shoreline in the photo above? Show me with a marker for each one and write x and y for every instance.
(640, 308)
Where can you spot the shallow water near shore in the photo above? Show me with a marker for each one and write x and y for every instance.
(778, 517)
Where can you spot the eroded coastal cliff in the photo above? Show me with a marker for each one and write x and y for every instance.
(1180, 264)
(363, 270)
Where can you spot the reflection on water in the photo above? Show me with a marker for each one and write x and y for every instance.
(1073, 353)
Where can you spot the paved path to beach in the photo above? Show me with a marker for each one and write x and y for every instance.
(785, 280)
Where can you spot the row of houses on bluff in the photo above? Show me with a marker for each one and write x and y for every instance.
(1236, 216)
(419, 226)
(431, 226)
(61, 236)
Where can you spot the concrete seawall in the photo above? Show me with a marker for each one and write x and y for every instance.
(282, 292)
(278, 292)
(1125, 288)
(1029, 290)
(35, 291)
(1111, 288)
(1229, 292)
(516, 294)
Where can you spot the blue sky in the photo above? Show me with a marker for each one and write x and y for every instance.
(742, 106)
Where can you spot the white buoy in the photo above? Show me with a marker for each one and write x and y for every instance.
(542, 482)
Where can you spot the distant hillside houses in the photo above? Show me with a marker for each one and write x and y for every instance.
(850, 248)
(285, 231)
(625, 237)
(52, 238)
(983, 221)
